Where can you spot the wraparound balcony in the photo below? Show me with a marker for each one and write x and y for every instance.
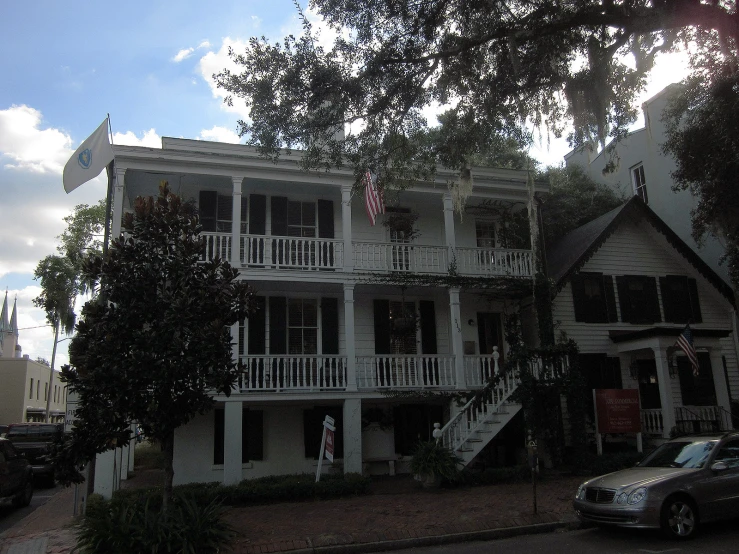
(287, 373)
(307, 253)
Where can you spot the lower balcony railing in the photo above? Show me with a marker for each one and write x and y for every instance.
(405, 371)
(293, 373)
(479, 369)
(380, 256)
(494, 261)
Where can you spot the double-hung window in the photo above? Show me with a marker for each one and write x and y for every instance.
(639, 182)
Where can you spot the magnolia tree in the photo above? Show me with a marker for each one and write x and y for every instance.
(154, 345)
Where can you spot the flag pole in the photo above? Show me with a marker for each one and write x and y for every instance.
(109, 197)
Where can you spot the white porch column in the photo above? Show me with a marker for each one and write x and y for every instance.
(665, 390)
(451, 241)
(456, 327)
(346, 227)
(236, 221)
(349, 344)
(352, 435)
(232, 443)
(719, 380)
(120, 181)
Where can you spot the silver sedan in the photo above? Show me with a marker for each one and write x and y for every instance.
(684, 482)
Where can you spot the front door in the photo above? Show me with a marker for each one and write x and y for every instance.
(648, 385)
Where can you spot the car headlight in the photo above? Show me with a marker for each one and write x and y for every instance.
(622, 498)
(580, 492)
(637, 495)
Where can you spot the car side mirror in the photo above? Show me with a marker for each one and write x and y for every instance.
(719, 466)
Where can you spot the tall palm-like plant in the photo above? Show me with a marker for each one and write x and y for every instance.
(60, 286)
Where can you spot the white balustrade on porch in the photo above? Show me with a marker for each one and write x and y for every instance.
(479, 369)
(405, 371)
(380, 256)
(494, 261)
(291, 252)
(216, 245)
(651, 422)
(292, 373)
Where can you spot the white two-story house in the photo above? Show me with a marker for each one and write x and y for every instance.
(354, 321)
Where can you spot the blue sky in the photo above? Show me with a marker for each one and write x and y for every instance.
(148, 64)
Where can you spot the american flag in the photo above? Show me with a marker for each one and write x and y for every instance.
(685, 341)
(373, 200)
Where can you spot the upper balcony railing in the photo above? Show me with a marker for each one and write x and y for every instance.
(273, 252)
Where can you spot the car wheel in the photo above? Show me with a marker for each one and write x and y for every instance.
(23, 498)
(679, 517)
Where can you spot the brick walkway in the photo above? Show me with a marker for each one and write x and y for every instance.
(397, 511)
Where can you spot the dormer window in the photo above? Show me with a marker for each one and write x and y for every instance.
(639, 182)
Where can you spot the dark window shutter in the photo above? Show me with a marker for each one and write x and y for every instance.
(218, 435)
(623, 298)
(325, 219)
(279, 216)
(650, 290)
(225, 207)
(694, 301)
(277, 325)
(428, 326)
(614, 373)
(578, 297)
(207, 206)
(252, 435)
(244, 212)
(257, 214)
(330, 325)
(668, 302)
(382, 327)
(257, 322)
(697, 390)
(610, 298)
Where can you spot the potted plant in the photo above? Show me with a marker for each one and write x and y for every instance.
(432, 462)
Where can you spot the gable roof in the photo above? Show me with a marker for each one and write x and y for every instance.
(576, 248)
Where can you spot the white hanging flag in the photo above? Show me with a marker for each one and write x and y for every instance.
(89, 159)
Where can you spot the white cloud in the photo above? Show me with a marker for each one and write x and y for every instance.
(215, 62)
(204, 44)
(150, 139)
(27, 146)
(183, 55)
(256, 21)
(219, 134)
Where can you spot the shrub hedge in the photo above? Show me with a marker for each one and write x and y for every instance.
(257, 491)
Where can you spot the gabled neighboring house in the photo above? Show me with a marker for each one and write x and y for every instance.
(24, 383)
(349, 313)
(627, 286)
(643, 170)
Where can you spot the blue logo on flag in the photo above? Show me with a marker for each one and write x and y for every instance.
(85, 158)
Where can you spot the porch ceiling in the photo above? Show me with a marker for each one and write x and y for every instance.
(622, 335)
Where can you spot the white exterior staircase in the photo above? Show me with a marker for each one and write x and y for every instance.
(483, 417)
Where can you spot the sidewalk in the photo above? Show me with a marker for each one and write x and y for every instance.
(397, 514)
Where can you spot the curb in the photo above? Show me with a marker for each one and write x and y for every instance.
(438, 540)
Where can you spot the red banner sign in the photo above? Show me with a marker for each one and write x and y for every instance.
(617, 411)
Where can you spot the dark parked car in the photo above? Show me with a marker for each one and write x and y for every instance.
(684, 482)
(16, 476)
(3, 430)
(34, 441)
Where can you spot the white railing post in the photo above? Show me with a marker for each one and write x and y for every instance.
(351, 357)
(346, 227)
(449, 234)
(496, 357)
(457, 349)
(236, 221)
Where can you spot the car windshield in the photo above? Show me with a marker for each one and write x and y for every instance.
(687, 454)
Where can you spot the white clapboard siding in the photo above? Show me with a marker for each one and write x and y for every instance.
(638, 249)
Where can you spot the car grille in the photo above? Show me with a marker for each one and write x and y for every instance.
(601, 496)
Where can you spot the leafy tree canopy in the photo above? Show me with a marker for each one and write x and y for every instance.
(494, 63)
(155, 343)
(573, 200)
(703, 138)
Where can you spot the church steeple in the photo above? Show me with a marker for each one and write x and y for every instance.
(14, 318)
(4, 324)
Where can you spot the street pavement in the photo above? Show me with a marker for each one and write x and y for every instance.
(398, 514)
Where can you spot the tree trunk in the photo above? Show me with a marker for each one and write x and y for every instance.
(168, 450)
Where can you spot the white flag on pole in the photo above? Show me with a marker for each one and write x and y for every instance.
(89, 159)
